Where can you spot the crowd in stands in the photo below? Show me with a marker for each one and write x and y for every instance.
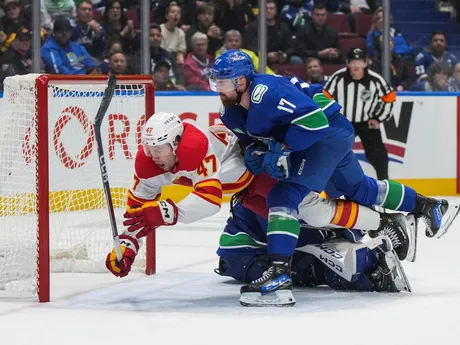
(308, 38)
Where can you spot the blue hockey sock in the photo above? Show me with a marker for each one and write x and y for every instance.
(282, 231)
(395, 196)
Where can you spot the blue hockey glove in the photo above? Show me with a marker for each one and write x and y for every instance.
(254, 158)
(277, 162)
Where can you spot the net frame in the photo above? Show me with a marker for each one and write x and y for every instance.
(42, 82)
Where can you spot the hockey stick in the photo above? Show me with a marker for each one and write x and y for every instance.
(105, 103)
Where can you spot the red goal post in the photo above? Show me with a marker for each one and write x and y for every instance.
(46, 115)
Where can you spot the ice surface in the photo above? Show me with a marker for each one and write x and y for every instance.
(186, 303)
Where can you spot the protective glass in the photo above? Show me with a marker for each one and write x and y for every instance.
(158, 151)
(221, 85)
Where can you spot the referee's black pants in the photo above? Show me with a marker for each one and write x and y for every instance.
(375, 150)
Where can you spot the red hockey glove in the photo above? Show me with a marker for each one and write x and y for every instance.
(129, 249)
(150, 216)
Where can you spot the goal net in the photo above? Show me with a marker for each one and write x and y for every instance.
(53, 214)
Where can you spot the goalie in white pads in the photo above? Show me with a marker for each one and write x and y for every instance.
(336, 258)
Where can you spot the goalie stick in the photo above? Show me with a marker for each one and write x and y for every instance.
(105, 103)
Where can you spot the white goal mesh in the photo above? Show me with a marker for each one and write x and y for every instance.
(79, 228)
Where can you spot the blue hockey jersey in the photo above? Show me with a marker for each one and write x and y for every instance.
(425, 59)
(286, 108)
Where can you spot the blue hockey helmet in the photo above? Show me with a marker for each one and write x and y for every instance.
(229, 68)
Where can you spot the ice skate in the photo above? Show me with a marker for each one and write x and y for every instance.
(273, 289)
(393, 225)
(389, 276)
(437, 215)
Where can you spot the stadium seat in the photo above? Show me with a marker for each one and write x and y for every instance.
(352, 42)
(297, 70)
(329, 69)
(363, 24)
(339, 22)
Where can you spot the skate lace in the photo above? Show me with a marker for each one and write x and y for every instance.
(266, 276)
(390, 232)
(427, 221)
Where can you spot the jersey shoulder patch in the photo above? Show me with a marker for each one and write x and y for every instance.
(232, 119)
(145, 167)
(192, 149)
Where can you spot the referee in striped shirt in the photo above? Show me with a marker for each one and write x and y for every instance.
(367, 100)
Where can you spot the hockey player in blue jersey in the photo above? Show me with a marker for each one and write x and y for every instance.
(299, 137)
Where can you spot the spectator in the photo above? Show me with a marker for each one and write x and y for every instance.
(88, 32)
(161, 74)
(114, 46)
(14, 22)
(280, 45)
(198, 63)
(188, 8)
(173, 37)
(454, 81)
(401, 47)
(18, 59)
(317, 39)
(233, 40)
(52, 9)
(207, 26)
(15, 19)
(61, 56)
(401, 69)
(116, 26)
(358, 6)
(232, 15)
(435, 52)
(158, 54)
(437, 78)
(295, 12)
(314, 71)
(118, 64)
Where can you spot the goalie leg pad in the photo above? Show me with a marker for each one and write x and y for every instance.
(347, 260)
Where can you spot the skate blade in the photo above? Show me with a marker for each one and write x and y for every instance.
(412, 229)
(400, 277)
(447, 219)
(280, 298)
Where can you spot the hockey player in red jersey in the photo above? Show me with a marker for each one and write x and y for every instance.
(211, 162)
(174, 152)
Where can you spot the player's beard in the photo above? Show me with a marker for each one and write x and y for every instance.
(228, 102)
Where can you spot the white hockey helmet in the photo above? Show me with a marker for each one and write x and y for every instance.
(160, 129)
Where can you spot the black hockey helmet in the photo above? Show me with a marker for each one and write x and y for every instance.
(357, 54)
